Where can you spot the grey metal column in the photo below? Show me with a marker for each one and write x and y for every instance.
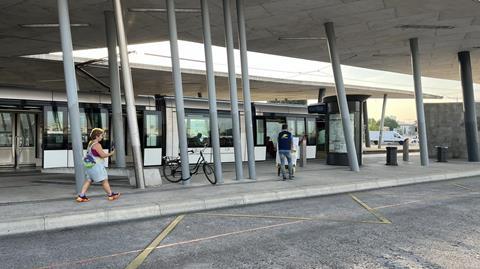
(232, 79)
(470, 113)
(341, 97)
(72, 89)
(365, 122)
(417, 79)
(212, 97)
(117, 118)
(382, 121)
(129, 96)
(247, 102)
(321, 94)
(177, 81)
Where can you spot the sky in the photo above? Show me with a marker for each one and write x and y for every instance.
(265, 65)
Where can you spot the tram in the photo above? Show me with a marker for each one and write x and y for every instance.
(34, 127)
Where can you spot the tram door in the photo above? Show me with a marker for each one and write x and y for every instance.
(17, 139)
(273, 127)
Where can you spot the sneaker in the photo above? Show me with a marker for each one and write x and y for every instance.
(82, 199)
(113, 196)
(284, 178)
(291, 177)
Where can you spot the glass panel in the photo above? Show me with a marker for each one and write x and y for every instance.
(153, 130)
(260, 133)
(27, 130)
(292, 127)
(88, 120)
(336, 141)
(5, 129)
(197, 129)
(273, 129)
(312, 133)
(54, 135)
(225, 129)
(300, 130)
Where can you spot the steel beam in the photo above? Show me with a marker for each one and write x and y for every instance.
(232, 79)
(212, 96)
(129, 96)
(115, 91)
(470, 113)
(247, 102)
(417, 79)
(382, 121)
(72, 89)
(177, 81)
(342, 97)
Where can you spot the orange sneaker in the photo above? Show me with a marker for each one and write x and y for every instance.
(113, 196)
(82, 199)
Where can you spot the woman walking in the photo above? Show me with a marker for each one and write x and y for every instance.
(97, 173)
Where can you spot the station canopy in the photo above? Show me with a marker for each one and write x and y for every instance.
(370, 34)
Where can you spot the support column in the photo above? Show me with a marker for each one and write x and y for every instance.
(365, 122)
(212, 97)
(417, 79)
(129, 96)
(72, 89)
(247, 102)
(232, 79)
(382, 121)
(117, 118)
(341, 97)
(321, 94)
(470, 113)
(177, 81)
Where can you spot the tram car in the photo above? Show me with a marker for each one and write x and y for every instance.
(34, 127)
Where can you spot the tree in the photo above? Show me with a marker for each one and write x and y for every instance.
(373, 125)
(391, 123)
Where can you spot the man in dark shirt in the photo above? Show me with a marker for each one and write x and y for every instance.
(285, 149)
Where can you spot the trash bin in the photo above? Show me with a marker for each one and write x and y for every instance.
(442, 154)
(392, 156)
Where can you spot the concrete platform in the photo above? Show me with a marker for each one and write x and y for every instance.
(48, 203)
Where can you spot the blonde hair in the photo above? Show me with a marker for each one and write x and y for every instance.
(96, 132)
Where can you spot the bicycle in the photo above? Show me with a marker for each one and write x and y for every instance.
(172, 168)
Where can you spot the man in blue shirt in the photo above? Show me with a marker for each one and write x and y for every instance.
(285, 146)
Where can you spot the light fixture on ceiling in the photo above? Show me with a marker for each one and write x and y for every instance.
(51, 25)
(390, 55)
(180, 10)
(425, 27)
(301, 38)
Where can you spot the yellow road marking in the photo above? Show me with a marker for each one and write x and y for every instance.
(371, 210)
(399, 204)
(286, 217)
(144, 254)
(463, 187)
(93, 259)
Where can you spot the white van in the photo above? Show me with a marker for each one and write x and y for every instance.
(389, 137)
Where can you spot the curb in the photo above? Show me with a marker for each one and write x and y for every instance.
(151, 210)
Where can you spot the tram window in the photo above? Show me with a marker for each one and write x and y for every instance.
(153, 131)
(296, 126)
(311, 131)
(5, 130)
(54, 130)
(260, 133)
(197, 129)
(88, 120)
(225, 127)
(27, 124)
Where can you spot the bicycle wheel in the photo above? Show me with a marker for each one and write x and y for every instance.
(172, 171)
(209, 173)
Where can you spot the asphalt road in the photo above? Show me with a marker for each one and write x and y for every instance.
(418, 226)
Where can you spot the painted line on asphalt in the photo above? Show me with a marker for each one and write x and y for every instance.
(437, 198)
(94, 259)
(286, 218)
(463, 187)
(399, 204)
(144, 254)
(371, 210)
